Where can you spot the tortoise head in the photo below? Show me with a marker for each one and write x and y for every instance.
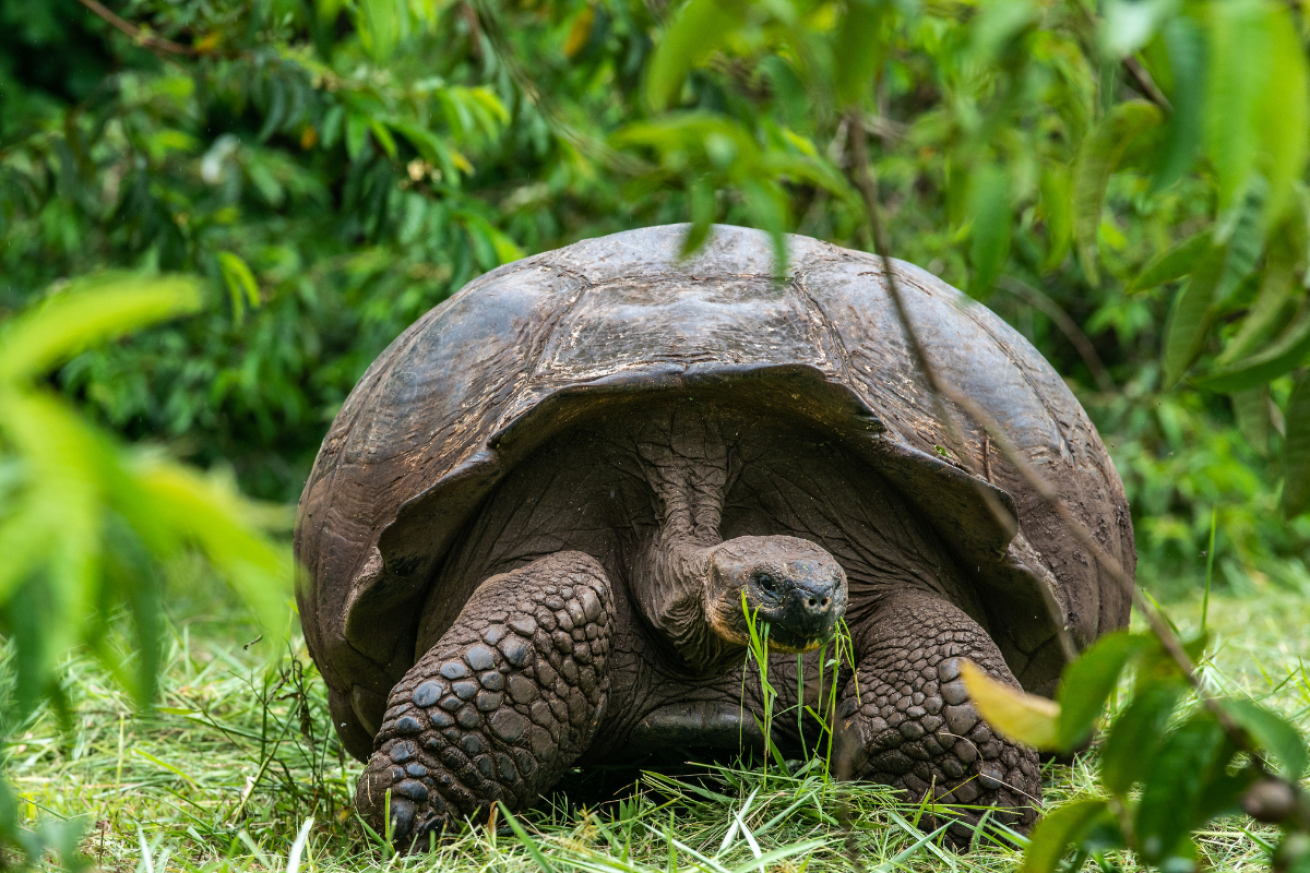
(790, 584)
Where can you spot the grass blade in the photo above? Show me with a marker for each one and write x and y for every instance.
(527, 841)
(298, 847)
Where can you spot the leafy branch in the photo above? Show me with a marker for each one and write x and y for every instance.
(157, 44)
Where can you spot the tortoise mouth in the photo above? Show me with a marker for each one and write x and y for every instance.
(735, 628)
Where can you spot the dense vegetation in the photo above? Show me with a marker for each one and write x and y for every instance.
(332, 184)
(1123, 183)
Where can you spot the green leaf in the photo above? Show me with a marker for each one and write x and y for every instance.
(1191, 316)
(93, 311)
(211, 515)
(356, 134)
(328, 10)
(1025, 718)
(1239, 231)
(1058, 829)
(1270, 310)
(1217, 274)
(1282, 356)
(1251, 409)
(997, 28)
(703, 204)
(240, 281)
(1273, 733)
(1185, 44)
(1296, 448)
(1098, 156)
(1056, 212)
(1136, 734)
(1257, 113)
(700, 27)
(429, 147)
(66, 463)
(767, 206)
(858, 50)
(1173, 264)
(381, 25)
(1283, 109)
(1177, 778)
(580, 32)
(277, 108)
(1088, 682)
(989, 209)
(791, 850)
(384, 137)
(1292, 854)
(1237, 61)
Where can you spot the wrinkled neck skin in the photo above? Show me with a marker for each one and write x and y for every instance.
(688, 470)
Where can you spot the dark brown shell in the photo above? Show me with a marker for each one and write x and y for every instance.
(489, 374)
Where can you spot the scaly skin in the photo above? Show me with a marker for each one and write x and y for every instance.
(500, 707)
(917, 729)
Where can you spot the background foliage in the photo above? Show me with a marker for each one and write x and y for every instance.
(1123, 182)
(334, 170)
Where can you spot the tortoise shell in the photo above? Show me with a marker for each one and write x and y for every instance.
(517, 355)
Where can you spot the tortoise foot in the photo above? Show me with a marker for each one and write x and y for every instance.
(495, 712)
(914, 727)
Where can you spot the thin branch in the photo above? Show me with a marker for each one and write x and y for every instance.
(135, 33)
(868, 189)
(859, 136)
(1067, 326)
(1145, 84)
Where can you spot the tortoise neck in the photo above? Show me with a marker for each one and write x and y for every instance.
(688, 474)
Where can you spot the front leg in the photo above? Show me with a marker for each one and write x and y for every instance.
(915, 726)
(500, 707)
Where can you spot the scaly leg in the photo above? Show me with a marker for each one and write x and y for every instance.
(915, 726)
(500, 707)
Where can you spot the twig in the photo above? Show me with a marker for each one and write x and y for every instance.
(1158, 626)
(1067, 326)
(135, 33)
(1145, 84)
(938, 390)
(890, 132)
(864, 181)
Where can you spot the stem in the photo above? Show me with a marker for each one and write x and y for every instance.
(1066, 325)
(1209, 571)
(1155, 622)
(135, 33)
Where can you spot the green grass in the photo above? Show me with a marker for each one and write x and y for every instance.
(238, 756)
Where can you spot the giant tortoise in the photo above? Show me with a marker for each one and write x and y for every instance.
(544, 524)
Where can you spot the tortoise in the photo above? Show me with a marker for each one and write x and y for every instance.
(544, 525)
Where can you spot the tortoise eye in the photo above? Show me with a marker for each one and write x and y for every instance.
(767, 582)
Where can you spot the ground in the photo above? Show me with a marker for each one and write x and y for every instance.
(236, 760)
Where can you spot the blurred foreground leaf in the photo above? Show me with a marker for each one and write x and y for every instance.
(1026, 718)
(87, 525)
(1296, 454)
(1097, 158)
